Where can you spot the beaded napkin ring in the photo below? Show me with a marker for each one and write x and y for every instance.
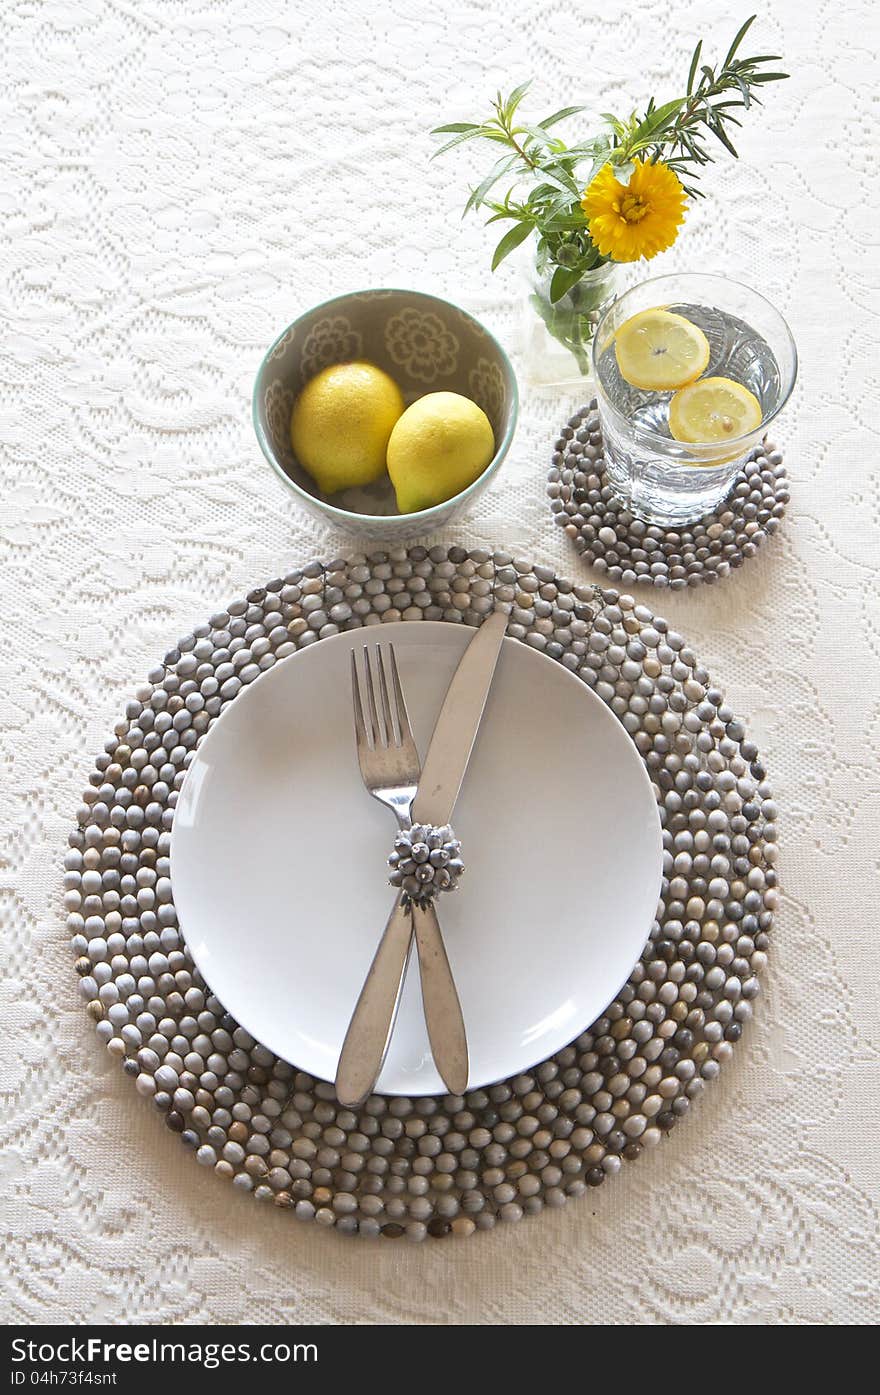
(425, 861)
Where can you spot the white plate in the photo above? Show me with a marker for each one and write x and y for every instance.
(278, 859)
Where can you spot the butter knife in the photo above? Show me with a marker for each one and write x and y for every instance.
(441, 779)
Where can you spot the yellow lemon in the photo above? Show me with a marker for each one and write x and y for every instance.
(714, 409)
(438, 447)
(341, 422)
(657, 350)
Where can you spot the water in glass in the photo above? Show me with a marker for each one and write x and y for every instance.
(661, 479)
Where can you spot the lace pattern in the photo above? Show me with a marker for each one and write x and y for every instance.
(177, 186)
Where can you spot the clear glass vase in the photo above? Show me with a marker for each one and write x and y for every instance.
(557, 338)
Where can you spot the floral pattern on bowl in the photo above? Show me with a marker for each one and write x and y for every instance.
(278, 405)
(280, 348)
(486, 383)
(331, 340)
(422, 345)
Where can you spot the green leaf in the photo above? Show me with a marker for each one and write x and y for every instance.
(537, 136)
(595, 258)
(498, 170)
(515, 98)
(588, 149)
(562, 202)
(741, 84)
(556, 146)
(510, 241)
(560, 116)
(744, 29)
(693, 68)
(566, 223)
(560, 176)
(463, 136)
(654, 123)
(453, 127)
(545, 140)
(725, 140)
(617, 126)
(564, 277)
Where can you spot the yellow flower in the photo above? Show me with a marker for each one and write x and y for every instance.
(638, 219)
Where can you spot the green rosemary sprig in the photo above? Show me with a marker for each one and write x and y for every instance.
(676, 133)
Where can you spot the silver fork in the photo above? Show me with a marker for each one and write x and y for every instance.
(390, 768)
(387, 754)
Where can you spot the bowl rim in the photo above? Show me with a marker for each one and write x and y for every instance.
(373, 520)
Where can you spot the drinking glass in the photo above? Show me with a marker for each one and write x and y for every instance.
(662, 480)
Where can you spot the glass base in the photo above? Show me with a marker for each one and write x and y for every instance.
(548, 364)
(666, 494)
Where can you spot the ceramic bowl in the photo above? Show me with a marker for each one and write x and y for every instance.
(427, 345)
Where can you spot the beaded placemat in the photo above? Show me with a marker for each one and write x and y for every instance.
(626, 549)
(444, 1165)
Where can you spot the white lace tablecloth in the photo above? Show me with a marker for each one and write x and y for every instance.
(178, 183)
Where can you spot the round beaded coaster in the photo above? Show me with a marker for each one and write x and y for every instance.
(628, 550)
(444, 1165)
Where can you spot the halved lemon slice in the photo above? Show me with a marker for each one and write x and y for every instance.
(714, 409)
(658, 350)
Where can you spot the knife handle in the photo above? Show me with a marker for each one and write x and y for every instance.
(369, 1032)
(442, 1009)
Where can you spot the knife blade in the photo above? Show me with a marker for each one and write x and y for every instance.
(457, 726)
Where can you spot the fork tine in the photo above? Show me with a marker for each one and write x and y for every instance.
(393, 735)
(363, 736)
(403, 723)
(379, 737)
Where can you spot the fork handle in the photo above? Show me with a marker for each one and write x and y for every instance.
(440, 999)
(369, 1032)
